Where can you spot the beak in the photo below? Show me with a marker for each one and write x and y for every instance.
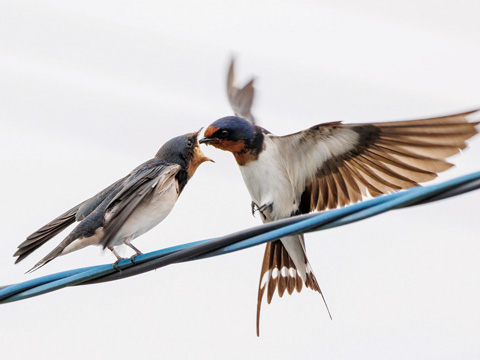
(198, 132)
(201, 156)
(207, 140)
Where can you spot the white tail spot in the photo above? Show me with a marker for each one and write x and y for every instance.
(275, 273)
(266, 278)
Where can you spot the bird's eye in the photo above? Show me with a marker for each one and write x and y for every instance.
(189, 143)
(224, 133)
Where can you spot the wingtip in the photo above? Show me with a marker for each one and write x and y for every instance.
(35, 268)
(233, 58)
(231, 73)
(473, 111)
(21, 254)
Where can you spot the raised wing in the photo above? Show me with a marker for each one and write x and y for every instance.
(334, 164)
(57, 225)
(152, 176)
(240, 99)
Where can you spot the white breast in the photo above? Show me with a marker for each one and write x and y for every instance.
(150, 214)
(268, 182)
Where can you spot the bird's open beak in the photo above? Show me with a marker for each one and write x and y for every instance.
(207, 140)
(200, 156)
(207, 159)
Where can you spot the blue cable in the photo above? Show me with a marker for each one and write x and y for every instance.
(241, 240)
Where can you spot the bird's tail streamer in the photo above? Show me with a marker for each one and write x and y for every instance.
(240, 240)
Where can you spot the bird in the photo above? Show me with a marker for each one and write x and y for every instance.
(126, 209)
(326, 166)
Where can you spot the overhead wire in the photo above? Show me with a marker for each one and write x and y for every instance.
(241, 240)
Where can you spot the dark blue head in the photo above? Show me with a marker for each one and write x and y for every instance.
(237, 135)
(184, 151)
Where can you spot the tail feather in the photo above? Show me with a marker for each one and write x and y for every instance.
(312, 283)
(280, 272)
(49, 257)
(283, 280)
(273, 274)
(45, 233)
(25, 252)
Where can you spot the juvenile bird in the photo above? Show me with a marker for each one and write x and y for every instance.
(326, 166)
(126, 209)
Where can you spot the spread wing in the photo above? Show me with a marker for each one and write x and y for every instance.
(334, 164)
(57, 225)
(241, 99)
(153, 176)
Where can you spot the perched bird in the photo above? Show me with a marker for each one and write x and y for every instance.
(323, 167)
(126, 209)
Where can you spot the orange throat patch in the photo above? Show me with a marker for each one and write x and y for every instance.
(197, 159)
(244, 158)
(237, 148)
(229, 145)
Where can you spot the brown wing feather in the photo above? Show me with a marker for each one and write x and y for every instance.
(387, 157)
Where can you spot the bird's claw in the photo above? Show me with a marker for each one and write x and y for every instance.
(115, 265)
(260, 209)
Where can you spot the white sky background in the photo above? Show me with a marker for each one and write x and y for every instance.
(89, 90)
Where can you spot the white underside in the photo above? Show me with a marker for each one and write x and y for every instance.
(148, 215)
(83, 242)
(144, 218)
(269, 182)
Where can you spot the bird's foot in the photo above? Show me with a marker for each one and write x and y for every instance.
(137, 252)
(115, 265)
(132, 258)
(260, 209)
(119, 258)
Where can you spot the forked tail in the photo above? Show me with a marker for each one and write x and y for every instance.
(279, 271)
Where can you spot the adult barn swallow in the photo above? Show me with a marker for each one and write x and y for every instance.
(126, 209)
(323, 167)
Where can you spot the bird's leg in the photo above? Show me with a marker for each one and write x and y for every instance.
(119, 258)
(137, 252)
(260, 209)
